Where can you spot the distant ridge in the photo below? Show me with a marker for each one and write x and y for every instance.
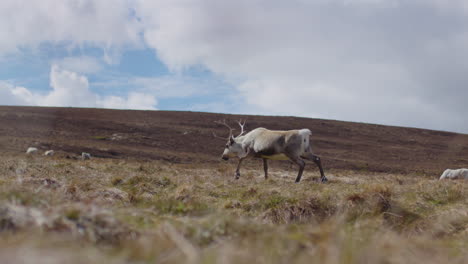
(186, 137)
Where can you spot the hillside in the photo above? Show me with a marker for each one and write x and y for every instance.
(156, 191)
(186, 137)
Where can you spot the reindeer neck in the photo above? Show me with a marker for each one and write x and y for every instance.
(239, 139)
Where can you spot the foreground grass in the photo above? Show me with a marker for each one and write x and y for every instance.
(56, 210)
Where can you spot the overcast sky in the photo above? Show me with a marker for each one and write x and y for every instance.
(395, 62)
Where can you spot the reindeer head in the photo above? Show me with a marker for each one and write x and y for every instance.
(233, 147)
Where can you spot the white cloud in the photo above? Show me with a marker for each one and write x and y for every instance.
(184, 91)
(382, 61)
(14, 95)
(70, 89)
(181, 86)
(107, 24)
(392, 62)
(168, 86)
(138, 101)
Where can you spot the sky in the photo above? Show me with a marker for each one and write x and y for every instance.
(393, 62)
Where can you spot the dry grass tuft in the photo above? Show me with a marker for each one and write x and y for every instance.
(123, 211)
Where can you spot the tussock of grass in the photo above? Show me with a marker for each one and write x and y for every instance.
(91, 223)
(312, 209)
(136, 212)
(180, 207)
(117, 180)
(442, 195)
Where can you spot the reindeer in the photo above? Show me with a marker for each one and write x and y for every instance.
(270, 144)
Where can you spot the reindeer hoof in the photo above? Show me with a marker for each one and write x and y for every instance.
(324, 180)
(237, 176)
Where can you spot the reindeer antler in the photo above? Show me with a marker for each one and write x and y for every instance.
(218, 137)
(226, 125)
(242, 126)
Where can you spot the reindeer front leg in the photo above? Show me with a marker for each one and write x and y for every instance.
(238, 168)
(241, 158)
(265, 167)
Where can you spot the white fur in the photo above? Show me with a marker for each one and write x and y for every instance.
(261, 138)
(305, 133)
(454, 174)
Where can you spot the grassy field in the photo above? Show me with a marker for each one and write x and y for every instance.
(58, 210)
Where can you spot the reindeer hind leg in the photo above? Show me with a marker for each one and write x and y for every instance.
(301, 165)
(316, 159)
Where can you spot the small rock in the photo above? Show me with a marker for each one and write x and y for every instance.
(49, 153)
(31, 150)
(85, 156)
(116, 137)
